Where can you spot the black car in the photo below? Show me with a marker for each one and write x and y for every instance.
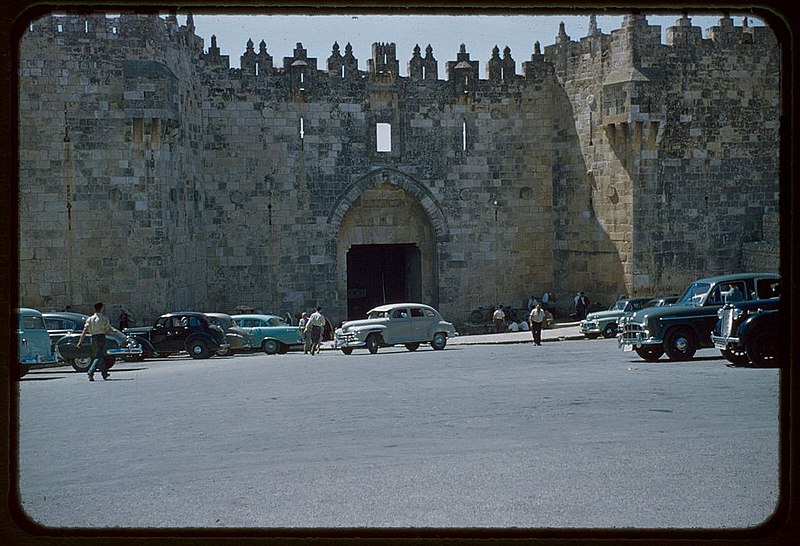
(185, 331)
(682, 328)
(748, 333)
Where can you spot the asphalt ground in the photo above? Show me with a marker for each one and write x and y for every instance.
(493, 434)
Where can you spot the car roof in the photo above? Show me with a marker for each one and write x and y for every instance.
(185, 314)
(256, 315)
(66, 314)
(637, 298)
(739, 276)
(28, 311)
(218, 315)
(390, 306)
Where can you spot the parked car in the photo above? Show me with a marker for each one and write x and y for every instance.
(269, 332)
(184, 331)
(33, 341)
(238, 339)
(682, 328)
(664, 300)
(65, 331)
(61, 323)
(409, 324)
(606, 323)
(749, 332)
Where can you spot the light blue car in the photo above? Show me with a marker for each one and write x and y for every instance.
(269, 332)
(33, 340)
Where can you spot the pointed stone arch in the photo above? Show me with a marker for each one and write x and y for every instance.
(400, 179)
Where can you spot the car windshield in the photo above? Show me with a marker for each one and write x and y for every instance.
(377, 314)
(619, 306)
(695, 294)
(224, 322)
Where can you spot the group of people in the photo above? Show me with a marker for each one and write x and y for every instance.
(311, 328)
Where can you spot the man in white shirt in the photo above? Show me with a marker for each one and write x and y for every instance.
(98, 326)
(499, 319)
(536, 318)
(316, 322)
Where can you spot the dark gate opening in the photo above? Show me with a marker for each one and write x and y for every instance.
(378, 274)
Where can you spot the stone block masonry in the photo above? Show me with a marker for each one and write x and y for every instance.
(157, 178)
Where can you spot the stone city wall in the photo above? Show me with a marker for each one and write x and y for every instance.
(154, 176)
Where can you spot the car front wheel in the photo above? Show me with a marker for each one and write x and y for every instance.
(736, 358)
(439, 341)
(762, 349)
(680, 344)
(610, 330)
(372, 343)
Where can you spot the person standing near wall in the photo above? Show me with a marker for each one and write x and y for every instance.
(306, 336)
(316, 322)
(97, 326)
(536, 319)
(499, 319)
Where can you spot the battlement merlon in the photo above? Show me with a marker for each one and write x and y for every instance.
(635, 33)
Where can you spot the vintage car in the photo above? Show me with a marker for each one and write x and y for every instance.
(65, 330)
(664, 300)
(748, 333)
(605, 323)
(409, 324)
(682, 328)
(271, 333)
(33, 341)
(184, 331)
(237, 337)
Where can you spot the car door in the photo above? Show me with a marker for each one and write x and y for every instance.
(159, 333)
(420, 325)
(399, 330)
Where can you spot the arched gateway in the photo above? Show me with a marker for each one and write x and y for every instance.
(388, 229)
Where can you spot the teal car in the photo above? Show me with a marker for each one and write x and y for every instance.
(270, 333)
(33, 341)
(606, 323)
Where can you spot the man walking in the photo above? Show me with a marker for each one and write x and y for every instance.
(499, 319)
(97, 326)
(536, 318)
(316, 322)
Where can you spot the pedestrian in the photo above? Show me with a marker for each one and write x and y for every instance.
(97, 326)
(124, 320)
(306, 336)
(535, 320)
(531, 303)
(499, 319)
(581, 306)
(316, 322)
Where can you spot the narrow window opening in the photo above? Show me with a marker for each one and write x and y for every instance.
(138, 130)
(113, 30)
(384, 137)
(86, 26)
(342, 71)
(302, 77)
(302, 128)
(423, 72)
(258, 65)
(464, 136)
(59, 28)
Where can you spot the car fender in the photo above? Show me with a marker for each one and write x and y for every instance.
(756, 323)
(209, 340)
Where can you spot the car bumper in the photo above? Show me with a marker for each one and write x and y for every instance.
(629, 342)
(348, 341)
(723, 343)
(125, 351)
(590, 328)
